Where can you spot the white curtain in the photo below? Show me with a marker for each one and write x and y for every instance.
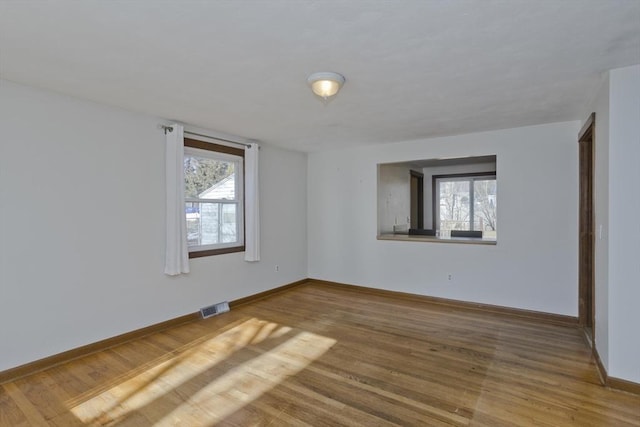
(252, 202)
(177, 253)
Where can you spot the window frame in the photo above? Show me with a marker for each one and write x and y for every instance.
(471, 177)
(206, 250)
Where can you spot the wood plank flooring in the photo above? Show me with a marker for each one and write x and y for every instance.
(326, 356)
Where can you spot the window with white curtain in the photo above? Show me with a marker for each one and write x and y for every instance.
(214, 198)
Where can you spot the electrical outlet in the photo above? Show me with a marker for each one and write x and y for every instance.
(277, 268)
(450, 277)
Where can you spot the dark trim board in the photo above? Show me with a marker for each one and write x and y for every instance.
(211, 146)
(569, 321)
(75, 353)
(266, 294)
(602, 372)
(623, 385)
(557, 319)
(41, 364)
(221, 251)
(587, 129)
(586, 228)
(613, 382)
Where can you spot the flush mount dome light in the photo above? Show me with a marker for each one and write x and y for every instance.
(325, 84)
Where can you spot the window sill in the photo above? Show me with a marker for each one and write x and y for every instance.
(435, 239)
(211, 252)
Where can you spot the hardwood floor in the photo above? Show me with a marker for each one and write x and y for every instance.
(325, 356)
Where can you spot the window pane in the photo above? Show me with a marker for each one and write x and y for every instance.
(485, 206)
(454, 205)
(209, 178)
(211, 223)
(229, 227)
(209, 220)
(193, 223)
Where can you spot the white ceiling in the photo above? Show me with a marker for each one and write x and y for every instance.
(414, 68)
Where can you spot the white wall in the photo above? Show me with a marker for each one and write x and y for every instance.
(394, 197)
(624, 227)
(534, 264)
(617, 271)
(75, 269)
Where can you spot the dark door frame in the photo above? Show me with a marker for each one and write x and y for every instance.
(586, 255)
(417, 221)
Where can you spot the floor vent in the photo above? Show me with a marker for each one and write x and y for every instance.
(212, 310)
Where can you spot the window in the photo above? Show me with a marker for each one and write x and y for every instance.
(466, 202)
(458, 207)
(214, 198)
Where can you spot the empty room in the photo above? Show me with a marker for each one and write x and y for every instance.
(319, 213)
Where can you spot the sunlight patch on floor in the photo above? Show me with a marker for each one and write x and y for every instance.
(248, 382)
(158, 381)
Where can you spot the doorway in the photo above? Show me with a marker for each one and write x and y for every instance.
(417, 199)
(586, 308)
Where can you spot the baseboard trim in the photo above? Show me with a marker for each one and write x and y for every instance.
(602, 372)
(586, 334)
(66, 356)
(13, 374)
(613, 382)
(623, 385)
(75, 353)
(557, 319)
(266, 294)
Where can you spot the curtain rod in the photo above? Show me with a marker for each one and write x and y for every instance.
(170, 129)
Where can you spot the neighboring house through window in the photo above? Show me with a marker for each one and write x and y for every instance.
(214, 196)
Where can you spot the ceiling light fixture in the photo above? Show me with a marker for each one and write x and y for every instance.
(325, 84)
